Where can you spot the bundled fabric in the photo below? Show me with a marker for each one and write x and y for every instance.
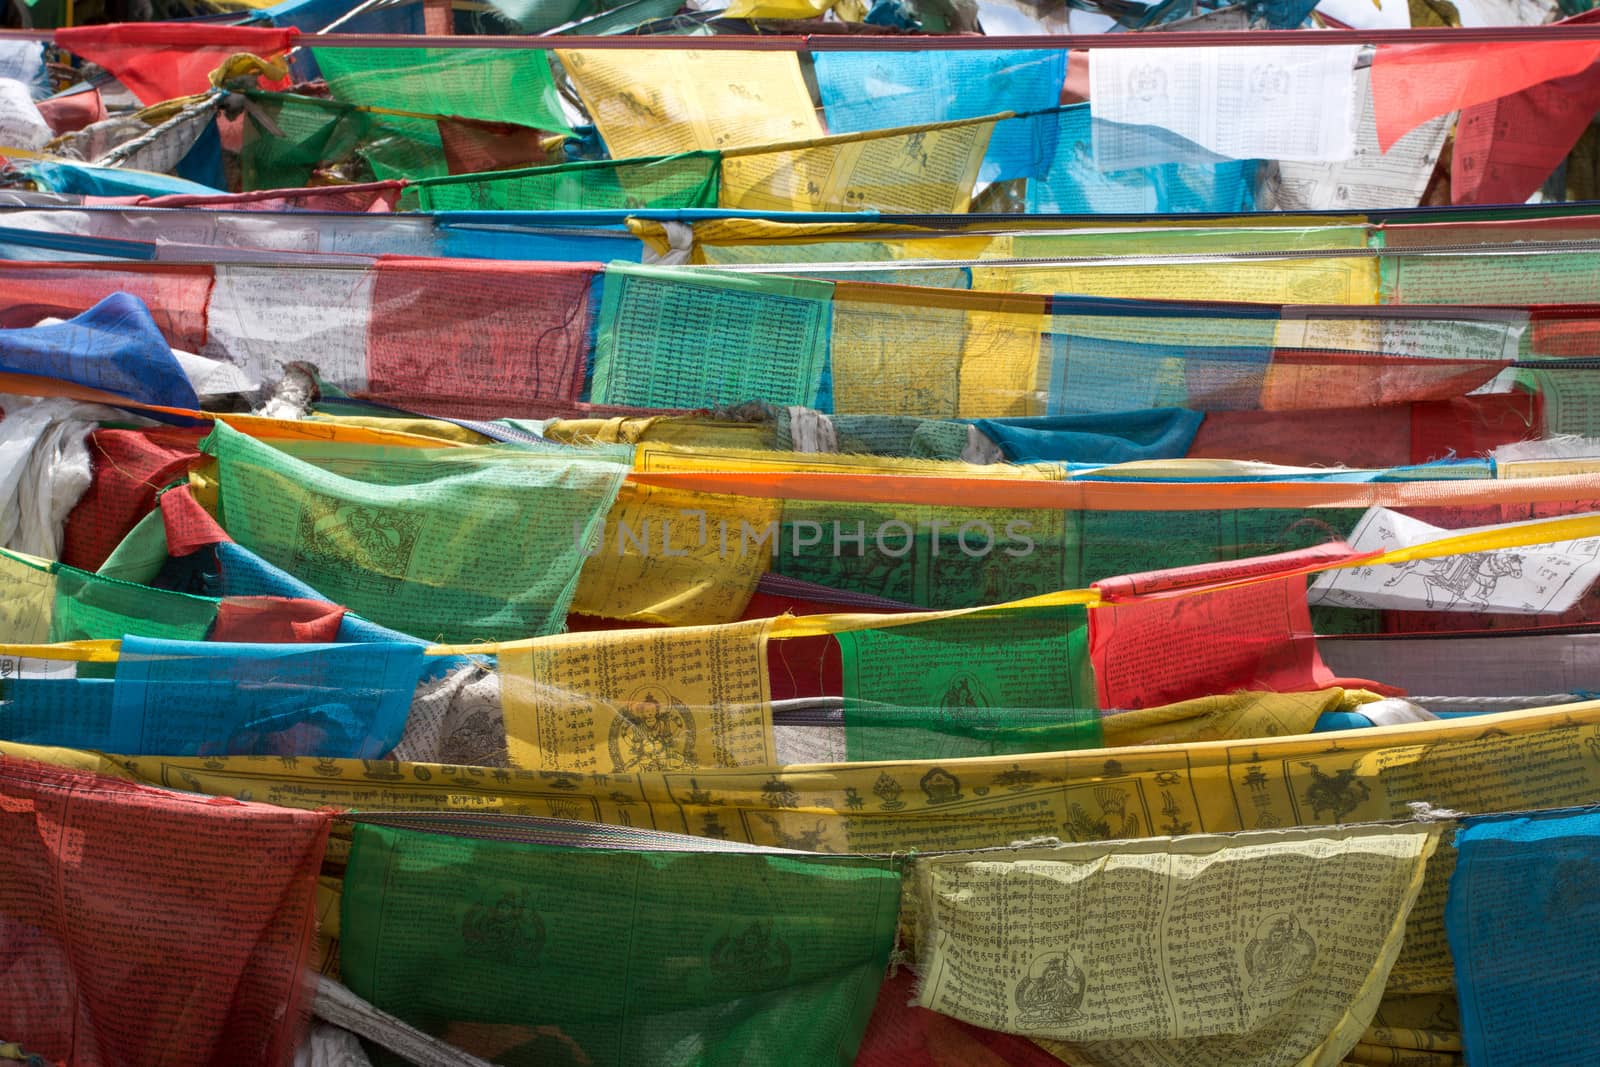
(113, 347)
(44, 469)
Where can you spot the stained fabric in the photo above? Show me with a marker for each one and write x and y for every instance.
(135, 953)
(531, 954)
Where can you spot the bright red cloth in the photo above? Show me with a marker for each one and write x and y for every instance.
(161, 60)
(1151, 646)
(1412, 83)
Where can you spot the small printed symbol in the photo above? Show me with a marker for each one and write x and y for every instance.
(1280, 956)
(887, 790)
(940, 786)
(1051, 993)
(508, 930)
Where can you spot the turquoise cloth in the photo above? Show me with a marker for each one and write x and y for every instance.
(1120, 437)
(1523, 921)
(876, 90)
(1073, 185)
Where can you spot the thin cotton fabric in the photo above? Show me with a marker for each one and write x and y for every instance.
(1122, 437)
(441, 546)
(1071, 184)
(689, 180)
(877, 90)
(1523, 923)
(114, 346)
(975, 686)
(489, 84)
(529, 954)
(161, 60)
(139, 925)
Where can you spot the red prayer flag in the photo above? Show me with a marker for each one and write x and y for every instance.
(1506, 148)
(1412, 83)
(471, 146)
(1177, 634)
(189, 526)
(175, 294)
(71, 112)
(276, 620)
(139, 925)
(130, 467)
(478, 339)
(903, 1035)
(161, 60)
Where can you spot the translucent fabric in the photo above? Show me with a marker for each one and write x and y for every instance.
(288, 139)
(217, 698)
(197, 917)
(683, 181)
(466, 545)
(981, 685)
(670, 341)
(522, 952)
(874, 90)
(490, 84)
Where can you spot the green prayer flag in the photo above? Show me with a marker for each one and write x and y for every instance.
(980, 685)
(673, 339)
(91, 607)
(457, 545)
(510, 85)
(684, 181)
(287, 137)
(538, 955)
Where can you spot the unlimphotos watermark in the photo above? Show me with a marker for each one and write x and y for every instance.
(895, 538)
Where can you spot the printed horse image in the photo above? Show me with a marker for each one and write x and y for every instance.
(1462, 578)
